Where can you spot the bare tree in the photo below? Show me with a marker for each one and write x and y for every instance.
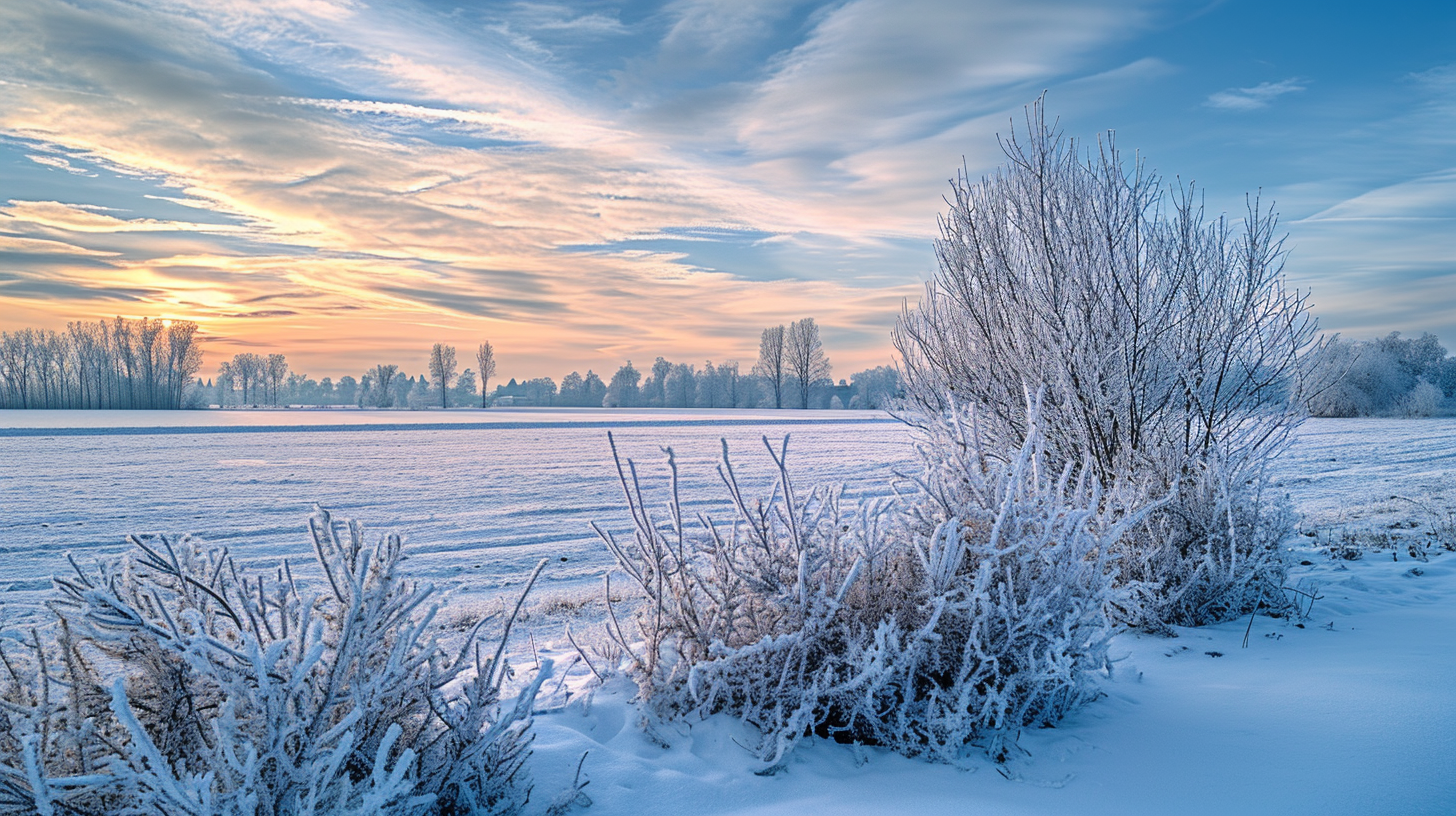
(1150, 329)
(485, 362)
(654, 388)
(275, 371)
(122, 364)
(875, 387)
(89, 363)
(465, 386)
(729, 384)
(1387, 376)
(226, 379)
(679, 386)
(442, 370)
(381, 385)
(121, 337)
(16, 359)
(623, 391)
(147, 332)
(1167, 344)
(184, 359)
(771, 361)
(804, 357)
(247, 369)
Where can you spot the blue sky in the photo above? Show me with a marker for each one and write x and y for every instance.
(583, 183)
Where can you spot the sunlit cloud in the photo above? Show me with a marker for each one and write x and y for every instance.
(11, 246)
(350, 181)
(60, 164)
(83, 218)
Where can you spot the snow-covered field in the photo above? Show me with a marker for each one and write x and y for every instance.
(1352, 713)
(339, 419)
(481, 495)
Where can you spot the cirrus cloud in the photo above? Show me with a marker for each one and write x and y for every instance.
(580, 183)
(1254, 98)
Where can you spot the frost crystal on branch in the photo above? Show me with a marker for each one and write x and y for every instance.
(1169, 349)
(975, 605)
(184, 685)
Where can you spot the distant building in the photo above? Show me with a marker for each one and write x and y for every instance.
(512, 394)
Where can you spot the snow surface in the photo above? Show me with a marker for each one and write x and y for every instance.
(480, 500)
(53, 422)
(1355, 713)
(1354, 719)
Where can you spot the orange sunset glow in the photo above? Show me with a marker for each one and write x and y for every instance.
(350, 182)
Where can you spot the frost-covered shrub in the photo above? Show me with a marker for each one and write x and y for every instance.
(177, 683)
(1387, 376)
(419, 397)
(1422, 401)
(772, 568)
(1016, 562)
(1211, 552)
(1359, 379)
(1167, 345)
(976, 605)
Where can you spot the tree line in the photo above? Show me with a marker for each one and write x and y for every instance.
(1387, 376)
(792, 370)
(149, 363)
(665, 385)
(119, 363)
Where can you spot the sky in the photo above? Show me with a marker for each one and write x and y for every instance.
(348, 182)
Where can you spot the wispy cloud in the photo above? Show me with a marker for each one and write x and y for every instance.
(1431, 196)
(1442, 77)
(663, 177)
(876, 71)
(428, 170)
(1383, 260)
(59, 163)
(1259, 96)
(713, 29)
(74, 218)
(562, 19)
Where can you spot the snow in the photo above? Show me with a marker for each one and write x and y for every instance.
(480, 500)
(1350, 467)
(55, 423)
(1354, 713)
(1354, 720)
